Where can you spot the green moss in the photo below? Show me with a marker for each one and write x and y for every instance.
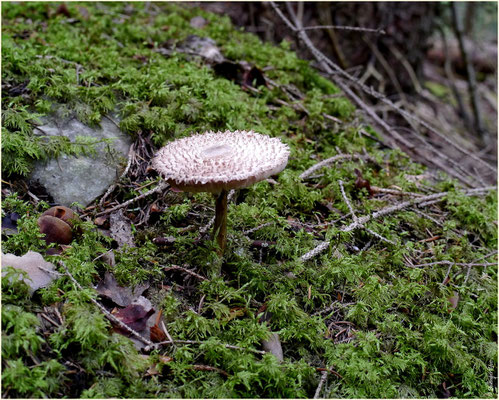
(400, 340)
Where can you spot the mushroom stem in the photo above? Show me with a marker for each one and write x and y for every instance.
(220, 227)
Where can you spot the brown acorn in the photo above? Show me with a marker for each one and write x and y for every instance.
(64, 213)
(55, 230)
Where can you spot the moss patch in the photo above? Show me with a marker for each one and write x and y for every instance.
(363, 308)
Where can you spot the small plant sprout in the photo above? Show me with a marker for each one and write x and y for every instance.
(218, 162)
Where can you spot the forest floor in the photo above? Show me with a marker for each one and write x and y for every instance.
(356, 272)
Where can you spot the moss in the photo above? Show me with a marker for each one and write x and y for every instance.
(398, 336)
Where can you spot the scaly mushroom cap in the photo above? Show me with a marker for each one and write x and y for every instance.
(211, 161)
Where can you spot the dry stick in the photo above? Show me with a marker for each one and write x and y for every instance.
(321, 383)
(161, 186)
(475, 260)
(359, 223)
(325, 60)
(470, 71)
(327, 162)
(107, 313)
(378, 31)
(354, 217)
(451, 80)
(187, 271)
(447, 262)
(173, 342)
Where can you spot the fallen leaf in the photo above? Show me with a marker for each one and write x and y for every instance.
(454, 301)
(273, 345)
(63, 10)
(121, 229)
(122, 296)
(9, 223)
(35, 266)
(156, 333)
(135, 316)
(254, 78)
(234, 313)
(360, 182)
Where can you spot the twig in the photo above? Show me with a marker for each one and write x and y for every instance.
(421, 200)
(331, 68)
(258, 228)
(377, 31)
(315, 251)
(107, 313)
(386, 211)
(153, 346)
(332, 371)
(327, 162)
(321, 383)
(470, 71)
(44, 316)
(198, 367)
(354, 217)
(447, 262)
(161, 186)
(395, 192)
(187, 271)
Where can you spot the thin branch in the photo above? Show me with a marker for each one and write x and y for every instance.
(377, 31)
(447, 262)
(328, 161)
(161, 186)
(470, 71)
(360, 222)
(331, 68)
(321, 383)
(187, 271)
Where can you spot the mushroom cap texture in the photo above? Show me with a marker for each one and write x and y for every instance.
(213, 161)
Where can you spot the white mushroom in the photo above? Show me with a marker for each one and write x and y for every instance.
(218, 162)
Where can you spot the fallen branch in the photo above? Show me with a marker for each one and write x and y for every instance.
(377, 31)
(161, 186)
(447, 262)
(321, 383)
(360, 222)
(187, 271)
(328, 161)
(470, 71)
(332, 69)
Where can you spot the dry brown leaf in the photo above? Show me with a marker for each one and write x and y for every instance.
(122, 296)
(135, 316)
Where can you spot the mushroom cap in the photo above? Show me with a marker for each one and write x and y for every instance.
(213, 161)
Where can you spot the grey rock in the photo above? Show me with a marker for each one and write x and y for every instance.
(81, 179)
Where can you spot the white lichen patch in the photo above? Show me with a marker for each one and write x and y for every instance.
(214, 161)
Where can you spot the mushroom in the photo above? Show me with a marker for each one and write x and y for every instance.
(218, 162)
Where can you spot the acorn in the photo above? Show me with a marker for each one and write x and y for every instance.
(55, 230)
(57, 225)
(64, 213)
